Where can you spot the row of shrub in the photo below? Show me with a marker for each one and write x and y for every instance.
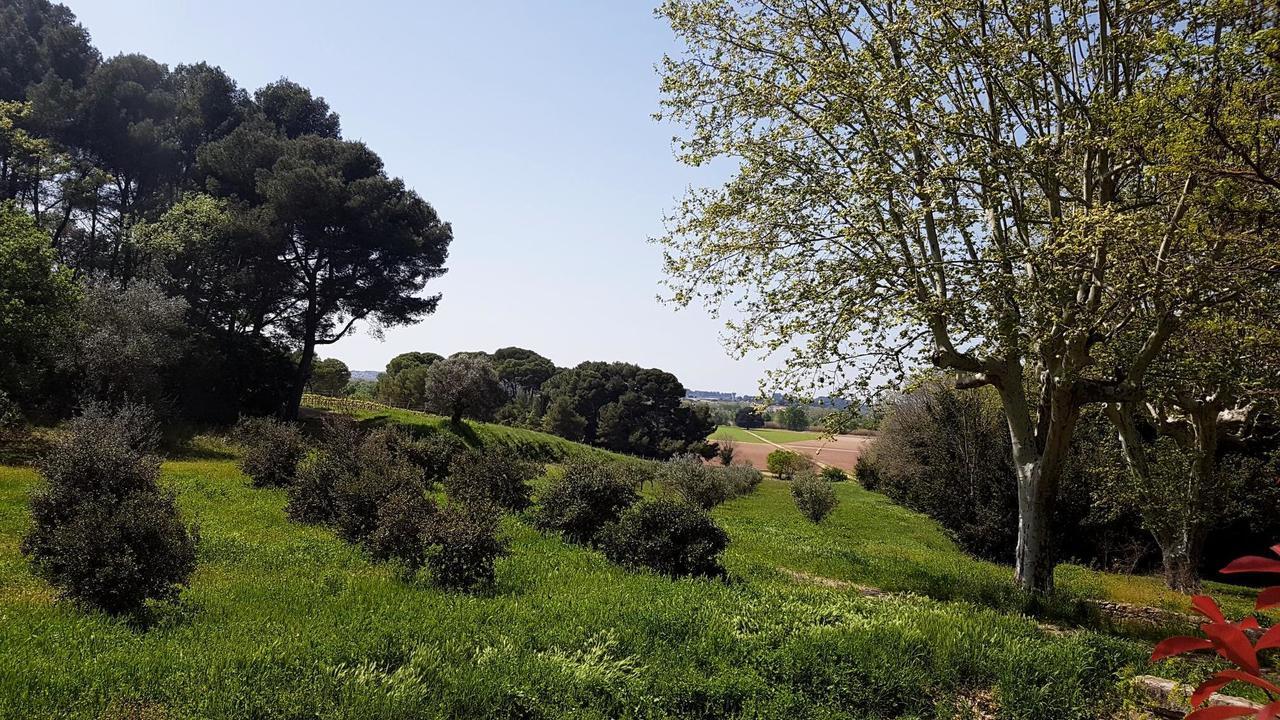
(378, 489)
(375, 489)
(105, 534)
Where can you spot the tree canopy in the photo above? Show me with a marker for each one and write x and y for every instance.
(38, 300)
(628, 409)
(329, 376)
(464, 384)
(251, 207)
(522, 369)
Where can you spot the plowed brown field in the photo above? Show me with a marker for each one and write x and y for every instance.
(841, 452)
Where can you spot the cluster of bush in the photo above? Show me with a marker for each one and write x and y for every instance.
(596, 503)
(380, 488)
(105, 534)
(705, 486)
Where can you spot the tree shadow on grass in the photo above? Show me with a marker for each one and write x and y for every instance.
(20, 448)
(165, 615)
(1065, 609)
(462, 430)
(193, 449)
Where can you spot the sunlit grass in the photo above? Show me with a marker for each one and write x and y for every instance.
(286, 621)
(737, 434)
(870, 541)
(529, 443)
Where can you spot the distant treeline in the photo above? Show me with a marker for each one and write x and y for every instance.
(616, 406)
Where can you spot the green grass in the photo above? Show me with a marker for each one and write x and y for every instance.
(286, 621)
(737, 434)
(871, 541)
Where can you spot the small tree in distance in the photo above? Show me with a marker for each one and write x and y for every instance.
(329, 377)
(785, 464)
(461, 385)
(748, 417)
(725, 450)
(793, 418)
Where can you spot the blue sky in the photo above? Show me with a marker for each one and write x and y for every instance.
(528, 125)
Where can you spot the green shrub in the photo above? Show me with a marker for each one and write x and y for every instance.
(103, 532)
(312, 494)
(273, 450)
(590, 494)
(785, 464)
(381, 473)
(494, 475)
(813, 495)
(740, 480)
(667, 536)
(725, 450)
(865, 470)
(433, 453)
(693, 481)
(834, 474)
(404, 526)
(464, 544)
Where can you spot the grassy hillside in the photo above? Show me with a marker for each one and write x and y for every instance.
(286, 621)
(531, 444)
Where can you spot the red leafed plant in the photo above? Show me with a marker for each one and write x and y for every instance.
(1232, 642)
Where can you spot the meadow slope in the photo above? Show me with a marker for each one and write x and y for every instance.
(287, 621)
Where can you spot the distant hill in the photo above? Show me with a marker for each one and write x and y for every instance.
(365, 374)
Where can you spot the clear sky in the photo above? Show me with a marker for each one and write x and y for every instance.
(528, 125)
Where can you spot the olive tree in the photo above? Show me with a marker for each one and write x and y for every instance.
(955, 183)
(463, 384)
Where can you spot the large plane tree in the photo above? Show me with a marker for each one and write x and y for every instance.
(961, 183)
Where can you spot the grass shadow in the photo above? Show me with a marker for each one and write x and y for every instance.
(199, 449)
(21, 448)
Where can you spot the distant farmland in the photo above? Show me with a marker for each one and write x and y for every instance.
(754, 446)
